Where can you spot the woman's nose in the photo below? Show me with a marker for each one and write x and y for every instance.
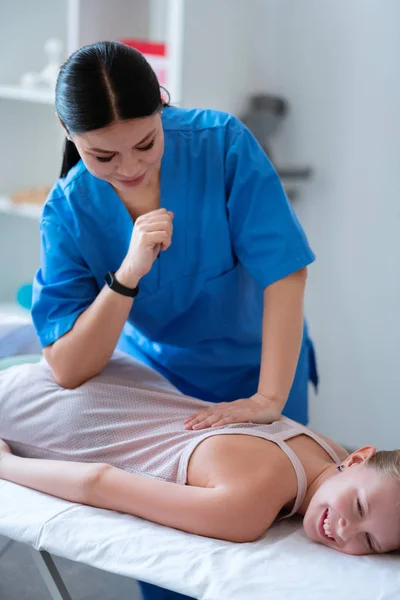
(345, 529)
(128, 167)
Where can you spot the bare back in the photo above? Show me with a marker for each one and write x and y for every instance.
(257, 465)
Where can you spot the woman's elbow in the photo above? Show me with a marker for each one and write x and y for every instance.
(66, 382)
(66, 376)
(70, 381)
(243, 533)
(245, 526)
(65, 379)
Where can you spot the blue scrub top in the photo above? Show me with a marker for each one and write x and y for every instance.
(198, 316)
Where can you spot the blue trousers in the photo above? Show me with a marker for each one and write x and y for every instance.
(152, 592)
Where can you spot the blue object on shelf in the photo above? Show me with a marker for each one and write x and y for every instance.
(24, 296)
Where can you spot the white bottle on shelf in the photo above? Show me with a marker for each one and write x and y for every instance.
(47, 77)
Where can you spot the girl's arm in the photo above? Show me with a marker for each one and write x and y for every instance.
(218, 512)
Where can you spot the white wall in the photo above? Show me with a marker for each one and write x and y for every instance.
(107, 20)
(19, 254)
(217, 57)
(337, 63)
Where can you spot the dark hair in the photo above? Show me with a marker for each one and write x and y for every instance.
(100, 84)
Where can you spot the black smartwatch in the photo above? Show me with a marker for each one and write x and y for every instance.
(116, 286)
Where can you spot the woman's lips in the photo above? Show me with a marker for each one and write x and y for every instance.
(132, 182)
(321, 526)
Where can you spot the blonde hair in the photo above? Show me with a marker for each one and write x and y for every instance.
(387, 462)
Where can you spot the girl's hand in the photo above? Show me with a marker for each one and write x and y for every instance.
(257, 409)
(151, 234)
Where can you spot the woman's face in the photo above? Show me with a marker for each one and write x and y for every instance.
(356, 511)
(127, 154)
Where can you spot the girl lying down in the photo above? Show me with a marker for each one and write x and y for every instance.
(119, 442)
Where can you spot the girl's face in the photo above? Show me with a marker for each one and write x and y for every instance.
(356, 511)
(127, 154)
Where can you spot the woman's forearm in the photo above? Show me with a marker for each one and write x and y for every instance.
(84, 351)
(66, 480)
(283, 323)
(214, 512)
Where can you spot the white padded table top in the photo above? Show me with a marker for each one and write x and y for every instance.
(284, 565)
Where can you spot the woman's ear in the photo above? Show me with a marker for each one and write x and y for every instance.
(360, 456)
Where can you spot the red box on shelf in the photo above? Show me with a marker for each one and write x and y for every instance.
(155, 53)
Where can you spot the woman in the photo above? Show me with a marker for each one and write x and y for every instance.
(220, 306)
(239, 477)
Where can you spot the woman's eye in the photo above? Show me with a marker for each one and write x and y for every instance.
(369, 542)
(360, 509)
(148, 147)
(104, 158)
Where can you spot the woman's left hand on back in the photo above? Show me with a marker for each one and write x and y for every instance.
(256, 409)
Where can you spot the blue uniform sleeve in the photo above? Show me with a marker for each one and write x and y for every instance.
(63, 287)
(267, 237)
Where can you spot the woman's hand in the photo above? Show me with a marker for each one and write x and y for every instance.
(257, 409)
(151, 234)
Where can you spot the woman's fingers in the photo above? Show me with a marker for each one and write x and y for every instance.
(154, 238)
(159, 220)
(207, 417)
(151, 233)
(159, 225)
(155, 215)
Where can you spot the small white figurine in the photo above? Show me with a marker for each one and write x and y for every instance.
(48, 76)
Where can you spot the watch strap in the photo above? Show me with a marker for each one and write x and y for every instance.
(118, 287)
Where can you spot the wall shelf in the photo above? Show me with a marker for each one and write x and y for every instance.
(32, 211)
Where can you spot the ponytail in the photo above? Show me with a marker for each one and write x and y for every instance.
(70, 158)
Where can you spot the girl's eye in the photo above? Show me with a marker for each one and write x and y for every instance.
(360, 510)
(369, 542)
(148, 147)
(105, 158)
